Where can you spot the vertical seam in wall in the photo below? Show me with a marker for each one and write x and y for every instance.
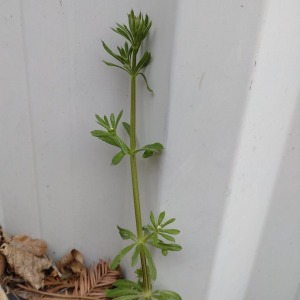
(69, 14)
(167, 116)
(29, 107)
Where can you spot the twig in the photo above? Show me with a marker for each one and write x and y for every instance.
(54, 294)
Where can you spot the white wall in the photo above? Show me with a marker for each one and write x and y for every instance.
(56, 179)
(226, 106)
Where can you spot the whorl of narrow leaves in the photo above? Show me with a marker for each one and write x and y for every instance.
(110, 136)
(139, 27)
(135, 32)
(153, 236)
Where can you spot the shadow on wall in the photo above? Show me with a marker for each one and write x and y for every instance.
(275, 273)
(214, 59)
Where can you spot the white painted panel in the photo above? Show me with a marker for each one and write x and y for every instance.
(75, 197)
(18, 185)
(269, 114)
(216, 43)
(225, 106)
(276, 270)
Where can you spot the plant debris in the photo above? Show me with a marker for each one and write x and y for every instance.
(26, 265)
(26, 272)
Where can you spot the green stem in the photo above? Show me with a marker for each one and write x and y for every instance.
(134, 177)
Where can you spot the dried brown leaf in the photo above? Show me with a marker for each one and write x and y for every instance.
(26, 265)
(76, 267)
(77, 256)
(4, 237)
(37, 247)
(90, 285)
(73, 261)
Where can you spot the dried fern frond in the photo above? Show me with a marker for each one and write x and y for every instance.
(94, 281)
(58, 285)
(91, 284)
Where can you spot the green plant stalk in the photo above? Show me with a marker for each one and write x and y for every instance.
(134, 177)
(155, 234)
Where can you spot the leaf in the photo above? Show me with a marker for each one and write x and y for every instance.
(135, 255)
(147, 154)
(118, 292)
(74, 256)
(105, 137)
(145, 79)
(166, 295)
(119, 117)
(126, 234)
(150, 149)
(171, 231)
(173, 247)
(113, 120)
(151, 228)
(37, 247)
(129, 297)
(167, 237)
(148, 236)
(117, 57)
(168, 222)
(117, 158)
(170, 247)
(106, 120)
(116, 261)
(155, 240)
(120, 31)
(114, 65)
(128, 284)
(161, 217)
(147, 28)
(152, 219)
(151, 265)
(122, 145)
(102, 122)
(139, 274)
(127, 34)
(144, 61)
(127, 127)
(26, 265)
(122, 52)
(156, 147)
